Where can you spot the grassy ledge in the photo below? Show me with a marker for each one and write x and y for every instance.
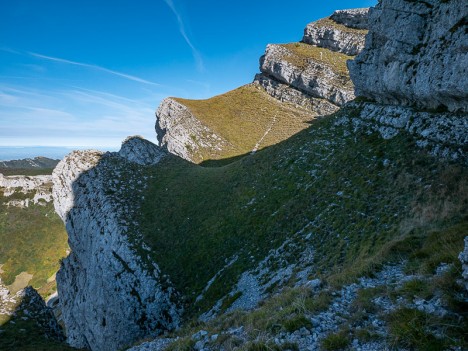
(247, 118)
(302, 54)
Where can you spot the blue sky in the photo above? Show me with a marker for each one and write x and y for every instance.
(89, 73)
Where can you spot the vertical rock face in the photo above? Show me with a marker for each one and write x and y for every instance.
(344, 31)
(313, 74)
(416, 54)
(310, 76)
(110, 295)
(182, 134)
(352, 18)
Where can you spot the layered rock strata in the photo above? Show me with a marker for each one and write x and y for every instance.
(442, 134)
(313, 73)
(20, 191)
(416, 54)
(110, 295)
(310, 76)
(344, 31)
(352, 18)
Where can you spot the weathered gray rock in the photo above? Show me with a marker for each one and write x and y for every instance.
(141, 151)
(110, 294)
(352, 18)
(344, 31)
(286, 93)
(312, 78)
(181, 133)
(464, 260)
(416, 53)
(328, 34)
(443, 134)
(316, 78)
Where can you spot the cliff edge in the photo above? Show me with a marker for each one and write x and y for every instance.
(110, 294)
(416, 54)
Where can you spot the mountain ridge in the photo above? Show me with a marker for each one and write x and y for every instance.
(349, 234)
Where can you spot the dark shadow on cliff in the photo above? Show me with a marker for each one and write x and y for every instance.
(32, 327)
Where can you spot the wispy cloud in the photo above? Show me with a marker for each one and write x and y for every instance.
(96, 67)
(9, 50)
(71, 116)
(195, 52)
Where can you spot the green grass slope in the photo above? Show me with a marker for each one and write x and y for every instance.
(364, 200)
(301, 54)
(33, 241)
(247, 118)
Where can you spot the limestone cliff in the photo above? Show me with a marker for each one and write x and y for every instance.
(183, 134)
(238, 122)
(305, 80)
(344, 31)
(441, 134)
(33, 189)
(333, 201)
(313, 73)
(316, 72)
(416, 54)
(110, 293)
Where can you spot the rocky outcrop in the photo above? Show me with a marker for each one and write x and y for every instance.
(143, 152)
(23, 183)
(344, 31)
(296, 66)
(416, 54)
(313, 74)
(442, 134)
(284, 93)
(20, 191)
(352, 18)
(110, 292)
(181, 133)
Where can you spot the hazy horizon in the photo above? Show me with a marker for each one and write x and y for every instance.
(8, 153)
